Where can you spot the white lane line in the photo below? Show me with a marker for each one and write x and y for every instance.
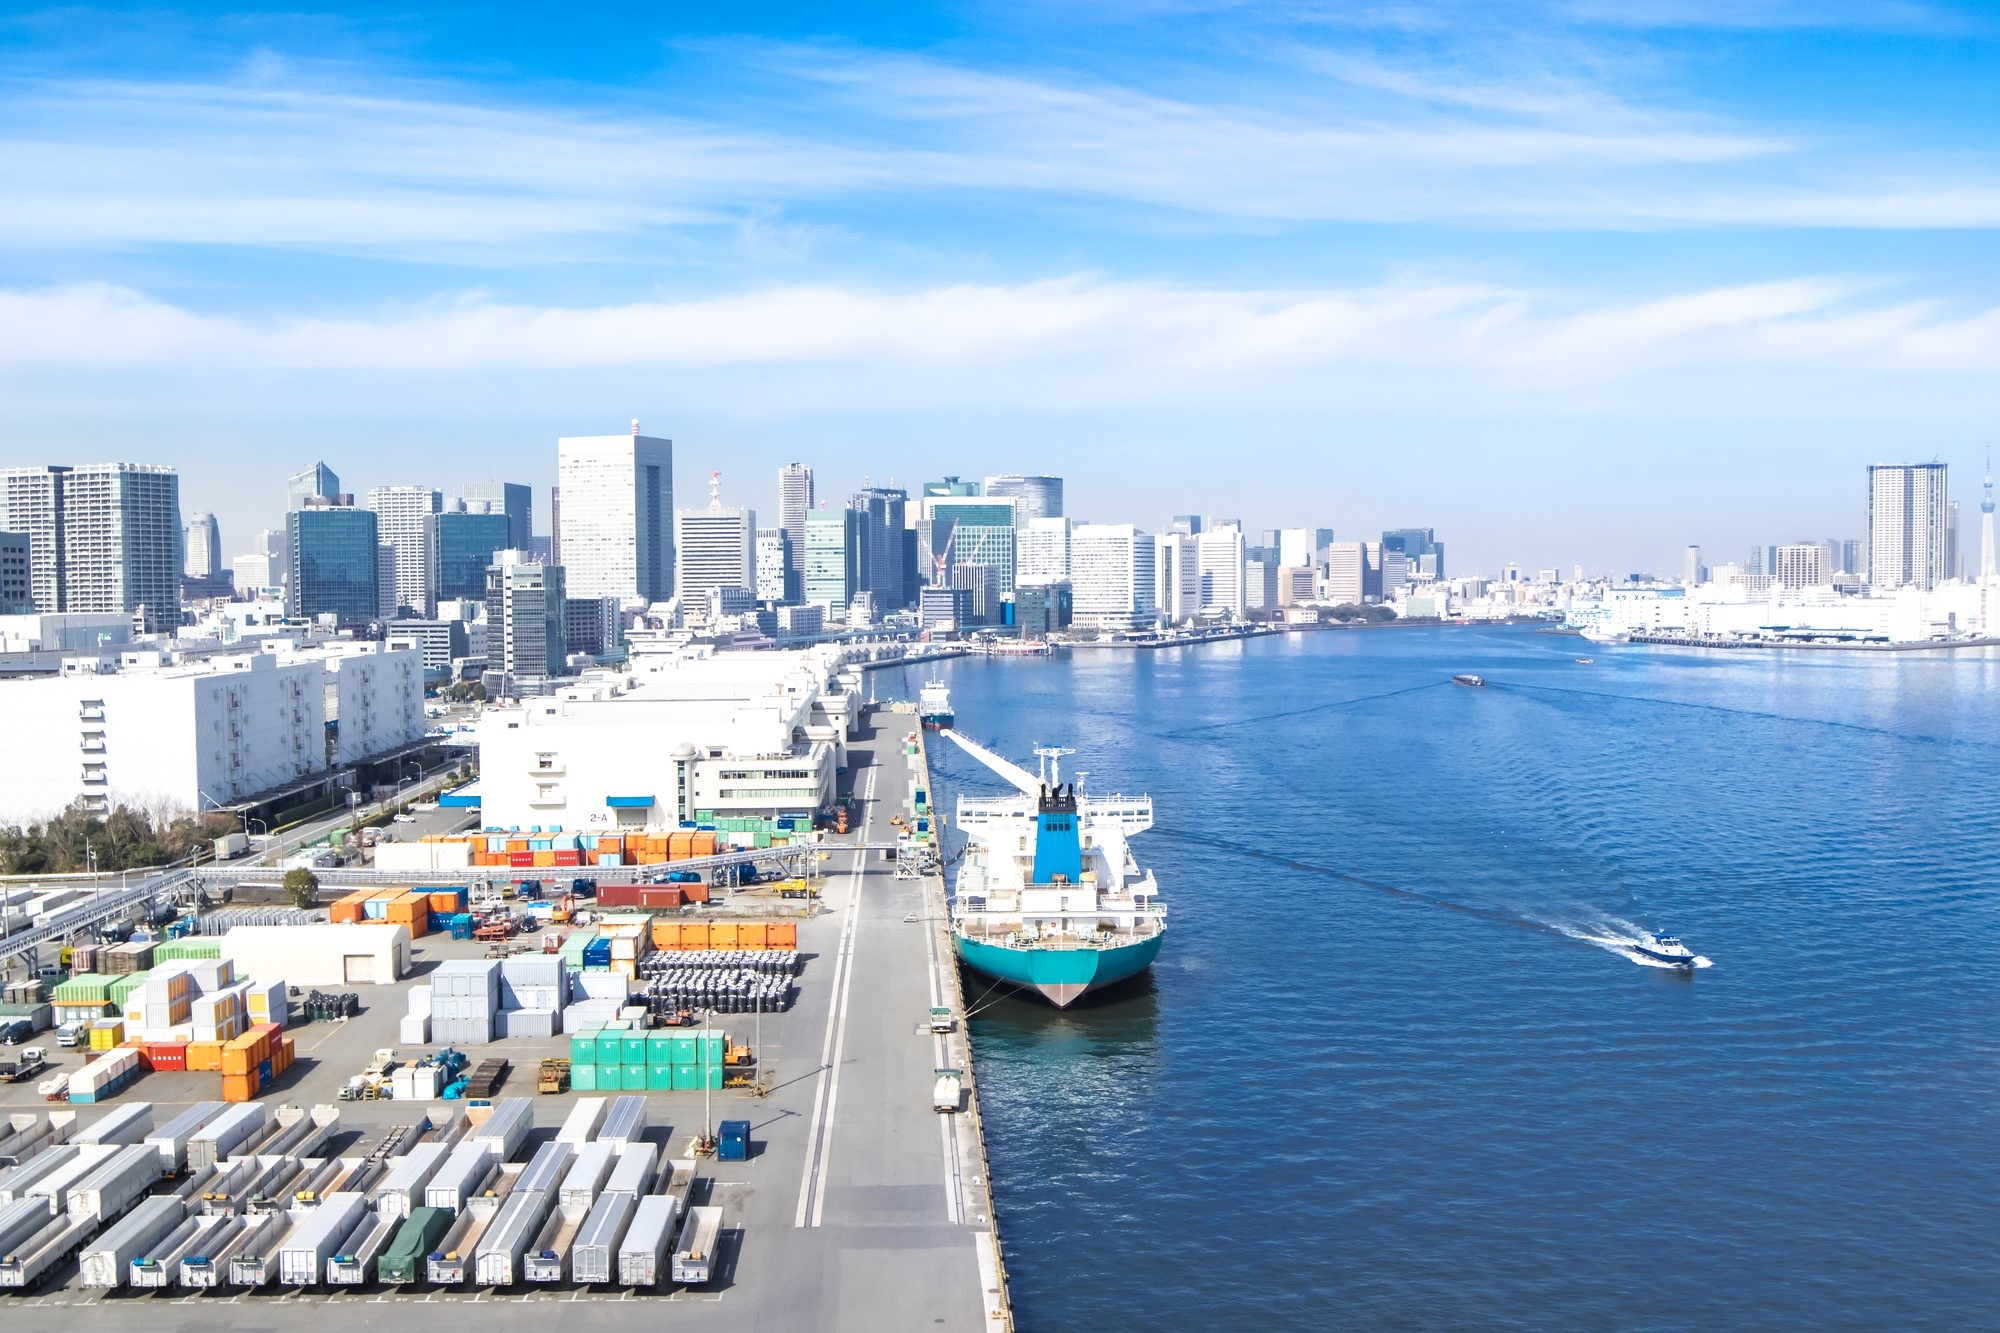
(819, 1129)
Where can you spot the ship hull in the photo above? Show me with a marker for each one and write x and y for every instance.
(936, 721)
(1060, 976)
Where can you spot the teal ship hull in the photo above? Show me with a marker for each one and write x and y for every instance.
(1062, 976)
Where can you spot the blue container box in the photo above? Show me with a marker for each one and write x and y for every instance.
(733, 1141)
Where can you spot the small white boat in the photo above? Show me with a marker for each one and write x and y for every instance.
(1664, 949)
(1468, 679)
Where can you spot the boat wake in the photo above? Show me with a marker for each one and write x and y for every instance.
(1615, 936)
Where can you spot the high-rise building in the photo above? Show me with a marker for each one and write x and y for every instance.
(104, 537)
(1041, 549)
(331, 557)
(1801, 565)
(1854, 557)
(1219, 559)
(593, 626)
(1177, 578)
(202, 542)
(1353, 575)
(795, 501)
(1295, 548)
(1260, 584)
(315, 483)
(526, 620)
(17, 592)
(555, 525)
(1036, 497)
(774, 563)
(1952, 567)
(1906, 525)
(832, 571)
(514, 500)
(462, 547)
(617, 517)
(882, 547)
(1691, 567)
(1112, 576)
(403, 516)
(716, 548)
(1413, 544)
(1185, 525)
(971, 530)
(1987, 570)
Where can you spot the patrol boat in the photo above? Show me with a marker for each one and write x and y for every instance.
(1048, 898)
(1664, 949)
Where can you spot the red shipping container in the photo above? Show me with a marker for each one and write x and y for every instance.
(694, 893)
(661, 895)
(618, 895)
(522, 860)
(569, 858)
(169, 1056)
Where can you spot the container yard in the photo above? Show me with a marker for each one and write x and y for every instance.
(318, 1175)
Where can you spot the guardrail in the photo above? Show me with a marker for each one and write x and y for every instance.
(364, 876)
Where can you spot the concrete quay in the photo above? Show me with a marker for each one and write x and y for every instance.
(861, 1208)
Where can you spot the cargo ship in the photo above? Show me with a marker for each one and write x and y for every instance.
(934, 706)
(1048, 897)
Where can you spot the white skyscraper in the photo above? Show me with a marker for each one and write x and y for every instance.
(772, 564)
(1177, 582)
(403, 524)
(1041, 551)
(1987, 569)
(795, 501)
(617, 515)
(716, 547)
(1112, 576)
(1219, 555)
(1295, 548)
(1035, 497)
(106, 537)
(203, 544)
(1802, 565)
(1907, 519)
(1690, 566)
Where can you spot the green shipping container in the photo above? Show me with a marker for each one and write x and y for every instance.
(582, 1077)
(712, 1076)
(610, 1078)
(714, 1045)
(610, 1047)
(659, 1048)
(583, 1047)
(634, 1048)
(632, 1078)
(686, 1050)
(687, 1078)
(659, 1078)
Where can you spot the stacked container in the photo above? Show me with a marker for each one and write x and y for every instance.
(624, 1058)
(124, 959)
(219, 1014)
(164, 1001)
(252, 1062)
(415, 1029)
(465, 995)
(268, 1002)
(103, 1079)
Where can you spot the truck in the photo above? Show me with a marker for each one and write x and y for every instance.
(303, 1257)
(30, 1062)
(948, 1092)
(116, 1184)
(594, 1254)
(231, 845)
(642, 1255)
(419, 1234)
(941, 1020)
(694, 1257)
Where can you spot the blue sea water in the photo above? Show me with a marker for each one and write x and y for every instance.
(1393, 1070)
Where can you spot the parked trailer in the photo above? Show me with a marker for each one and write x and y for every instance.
(585, 1179)
(625, 1122)
(115, 1185)
(44, 1252)
(506, 1129)
(256, 1263)
(497, 1259)
(56, 1183)
(155, 1269)
(460, 1176)
(19, 1220)
(320, 1236)
(107, 1259)
(632, 1173)
(594, 1255)
(416, 1237)
(402, 1193)
(17, 1182)
(172, 1138)
(581, 1125)
(199, 1272)
(33, 1135)
(694, 1258)
(451, 1263)
(547, 1259)
(120, 1125)
(357, 1258)
(217, 1140)
(642, 1255)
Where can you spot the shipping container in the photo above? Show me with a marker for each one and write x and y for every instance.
(594, 1254)
(171, 1140)
(625, 1122)
(419, 1234)
(227, 1132)
(497, 1258)
(319, 1235)
(403, 1191)
(126, 1124)
(581, 1125)
(642, 1255)
(106, 1260)
(114, 1185)
(506, 1128)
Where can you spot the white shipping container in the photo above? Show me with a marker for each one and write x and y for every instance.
(322, 954)
(642, 1255)
(102, 1073)
(633, 1172)
(114, 1185)
(460, 1176)
(171, 1139)
(106, 1260)
(585, 1178)
(414, 1030)
(302, 1259)
(125, 1124)
(506, 1129)
(402, 1192)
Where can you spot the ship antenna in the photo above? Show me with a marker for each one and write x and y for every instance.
(1051, 757)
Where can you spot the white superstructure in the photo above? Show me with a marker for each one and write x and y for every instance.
(617, 518)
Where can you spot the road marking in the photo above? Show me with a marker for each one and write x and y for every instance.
(819, 1131)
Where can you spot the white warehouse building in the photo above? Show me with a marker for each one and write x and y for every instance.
(682, 734)
(146, 729)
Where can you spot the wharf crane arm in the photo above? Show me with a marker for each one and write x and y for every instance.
(1014, 773)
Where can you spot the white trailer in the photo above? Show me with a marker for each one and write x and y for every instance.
(497, 1260)
(450, 1265)
(582, 1123)
(316, 1239)
(506, 1129)
(19, 1220)
(123, 1124)
(461, 1176)
(594, 1255)
(255, 1263)
(642, 1255)
(402, 1193)
(208, 1265)
(625, 1122)
(115, 1185)
(155, 1269)
(355, 1262)
(586, 1178)
(43, 1252)
(57, 1182)
(107, 1259)
(694, 1257)
(215, 1141)
(172, 1138)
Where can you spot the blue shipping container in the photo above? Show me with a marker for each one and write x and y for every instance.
(733, 1141)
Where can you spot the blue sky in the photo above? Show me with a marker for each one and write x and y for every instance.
(1570, 286)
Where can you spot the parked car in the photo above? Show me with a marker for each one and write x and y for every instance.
(14, 1031)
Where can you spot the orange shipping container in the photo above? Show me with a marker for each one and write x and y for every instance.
(695, 934)
(239, 1087)
(666, 934)
(781, 935)
(444, 902)
(704, 845)
(680, 846)
(750, 934)
(204, 1056)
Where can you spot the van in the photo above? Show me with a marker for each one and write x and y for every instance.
(14, 1031)
(72, 1034)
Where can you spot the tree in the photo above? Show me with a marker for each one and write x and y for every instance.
(303, 886)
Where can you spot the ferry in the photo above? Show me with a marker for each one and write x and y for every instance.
(1468, 679)
(934, 706)
(1664, 949)
(1049, 899)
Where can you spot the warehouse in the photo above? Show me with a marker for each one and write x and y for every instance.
(321, 955)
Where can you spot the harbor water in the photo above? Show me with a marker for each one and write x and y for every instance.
(1394, 1069)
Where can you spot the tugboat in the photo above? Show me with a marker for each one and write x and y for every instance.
(1467, 678)
(1664, 949)
(934, 706)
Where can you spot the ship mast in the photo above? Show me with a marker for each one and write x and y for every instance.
(1051, 757)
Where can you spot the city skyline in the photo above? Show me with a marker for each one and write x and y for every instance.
(1647, 257)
